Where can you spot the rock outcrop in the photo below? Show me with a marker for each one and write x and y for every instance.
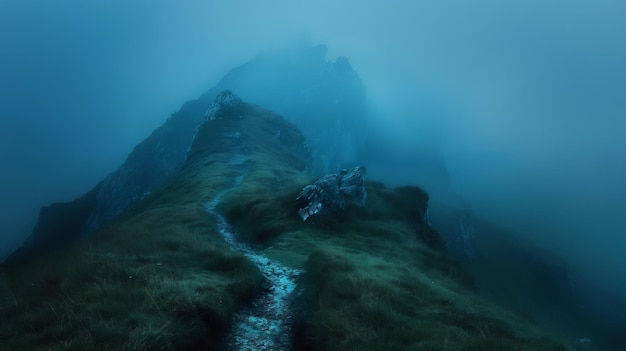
(224, 99)
(331, 192)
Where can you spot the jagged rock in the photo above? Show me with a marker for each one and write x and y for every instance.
(331, 191)
(224, 99)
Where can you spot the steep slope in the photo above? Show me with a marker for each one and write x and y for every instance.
(162, 277)
(147, 167)
(517, 273)
(326, 98)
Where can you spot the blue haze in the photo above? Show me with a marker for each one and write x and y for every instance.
(528, 98)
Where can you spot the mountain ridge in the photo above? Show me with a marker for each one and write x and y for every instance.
(311, 89)
(162, 277)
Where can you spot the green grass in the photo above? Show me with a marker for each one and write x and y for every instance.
(161, 281)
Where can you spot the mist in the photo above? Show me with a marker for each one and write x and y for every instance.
(527, 99)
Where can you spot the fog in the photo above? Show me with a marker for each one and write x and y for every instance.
(528, 96)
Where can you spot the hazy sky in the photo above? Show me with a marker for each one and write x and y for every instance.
(532, 95)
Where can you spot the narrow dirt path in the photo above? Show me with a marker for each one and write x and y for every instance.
(266, 323)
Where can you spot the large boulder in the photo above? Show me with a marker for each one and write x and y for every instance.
(331, 191)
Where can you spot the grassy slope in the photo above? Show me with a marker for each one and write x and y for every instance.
(533, 281)
(161, 278)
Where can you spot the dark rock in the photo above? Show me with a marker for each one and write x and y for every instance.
(58, 224)
(331, 191)
(224, 99)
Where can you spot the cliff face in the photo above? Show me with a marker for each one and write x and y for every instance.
(325, 98)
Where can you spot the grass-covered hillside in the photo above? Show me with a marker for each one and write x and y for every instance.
(377, 278)
(161, 277)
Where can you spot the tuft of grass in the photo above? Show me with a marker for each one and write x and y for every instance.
(261, 216)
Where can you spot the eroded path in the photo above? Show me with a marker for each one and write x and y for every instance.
(265, 325)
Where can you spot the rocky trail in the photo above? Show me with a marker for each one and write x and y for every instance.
(266, 323)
